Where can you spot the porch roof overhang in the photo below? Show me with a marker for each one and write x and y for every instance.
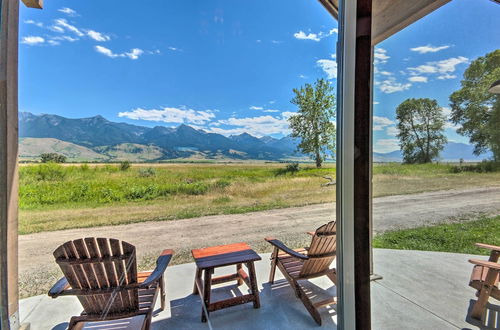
(391, 16)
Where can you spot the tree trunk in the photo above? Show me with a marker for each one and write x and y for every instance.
(318, 159)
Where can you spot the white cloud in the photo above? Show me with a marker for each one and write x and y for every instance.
(271, 110)
(56, 28)
(380, 56)
(62, 23)
(171, 115)
(421, 79)
(391, 131)
(174, 49)
(32, 40)
(444, 67)
(253, 107)
(385, 73)
(390, 85)
(376, 102)
(68, 11)
(97, 36)
(272, 102)
(385, 145)
(53, 42)
(428, 49)
(301, 76)
(329, 66)
(133, 54)
(257, 126)
(30, 21)
(258, 40)
(303, 36)
(447, 76)
(380, 123)
(276, 41)
(65, 38)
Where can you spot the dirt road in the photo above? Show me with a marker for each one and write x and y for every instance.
(391, 212)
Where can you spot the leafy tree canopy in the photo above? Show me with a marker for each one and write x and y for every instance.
(475, 108)
(421, 126)
(313, 123)
(52, 157)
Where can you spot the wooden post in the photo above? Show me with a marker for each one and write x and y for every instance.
(362, 162)
(8, 164)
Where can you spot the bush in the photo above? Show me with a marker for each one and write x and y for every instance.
(221, 184)
(52, 157)
(483, 167)
(147, 172)
(50, 172)
(290, 168)
(84, 167)
(125, 165)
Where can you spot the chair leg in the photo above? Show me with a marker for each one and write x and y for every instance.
(162, 293)
(307, 303)
(274, 261)
(484, 294)
(239, 281)
(480, 304)
(197, 276)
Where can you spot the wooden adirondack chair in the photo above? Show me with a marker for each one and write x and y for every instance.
(102, 273)
(307, 263)
(485, 279)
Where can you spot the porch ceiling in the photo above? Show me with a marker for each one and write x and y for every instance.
(391, 16)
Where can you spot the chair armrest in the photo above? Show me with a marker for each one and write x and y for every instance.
(284, 248)
(488, 246)
(487, 264)
(311, 233)
(58, 288)
(161, 265)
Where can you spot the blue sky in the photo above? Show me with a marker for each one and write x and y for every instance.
(229, 66)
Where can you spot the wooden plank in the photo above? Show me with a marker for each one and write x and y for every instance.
(121, 273)
(105, 250)
(219, 249)
(239, 300)
(227, 259)
(8, 163)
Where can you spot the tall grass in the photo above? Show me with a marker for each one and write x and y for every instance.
(53, 184)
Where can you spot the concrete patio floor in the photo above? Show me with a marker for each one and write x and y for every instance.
(419, 290)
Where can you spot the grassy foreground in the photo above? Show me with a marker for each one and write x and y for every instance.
(454, 237)
(54, 197)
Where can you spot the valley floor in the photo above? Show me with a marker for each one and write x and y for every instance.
(38, 271)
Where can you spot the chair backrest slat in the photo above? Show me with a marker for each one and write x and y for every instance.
(322, 250)
(101, 263)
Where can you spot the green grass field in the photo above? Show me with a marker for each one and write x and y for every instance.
(54, 197)
(454, 237)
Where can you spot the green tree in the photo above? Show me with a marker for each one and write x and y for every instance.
(313, 123)
(475, 108)
(421, 126)
(52, 157)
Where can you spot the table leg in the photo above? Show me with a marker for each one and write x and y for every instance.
(207, 287)
(240, 280)
(253, 283)
(196, 277)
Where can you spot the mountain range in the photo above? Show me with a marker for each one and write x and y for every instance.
(98, 139)
(115, 141)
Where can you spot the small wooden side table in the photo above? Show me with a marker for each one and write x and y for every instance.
(207, 259)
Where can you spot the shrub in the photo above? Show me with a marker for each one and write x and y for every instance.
(125, 165)
(84, 167)
(290, 168)
(221, 184)
(52, 157)
(50, 172)
(482, 167)
(147, 172)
